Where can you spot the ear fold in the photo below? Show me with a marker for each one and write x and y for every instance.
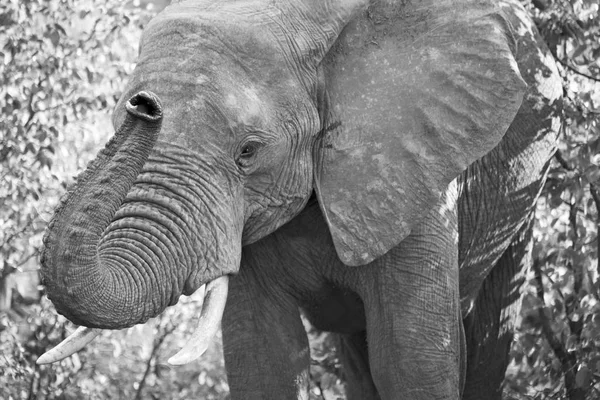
(417, 92)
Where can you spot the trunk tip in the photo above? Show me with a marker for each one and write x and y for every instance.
(145, 105)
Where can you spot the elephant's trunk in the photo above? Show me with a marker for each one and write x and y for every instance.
(86, 285)
(144, 224)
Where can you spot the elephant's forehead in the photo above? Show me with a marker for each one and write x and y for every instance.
(246, 107)
(204, 103)
(217, 75)
(190, 38)
(205, 74)
(228, 113)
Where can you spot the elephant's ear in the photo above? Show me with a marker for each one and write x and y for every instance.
(416, 93)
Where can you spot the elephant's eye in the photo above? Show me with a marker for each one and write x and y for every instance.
(246, 153)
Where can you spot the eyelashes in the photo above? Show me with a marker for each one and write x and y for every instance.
(247, 153)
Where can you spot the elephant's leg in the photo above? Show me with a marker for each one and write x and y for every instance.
(413, 316)
(489, 326)
(352, 350)
(265, 344)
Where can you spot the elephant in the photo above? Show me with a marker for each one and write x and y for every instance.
(374, 163)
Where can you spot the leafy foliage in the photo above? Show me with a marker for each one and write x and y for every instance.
(63, 64)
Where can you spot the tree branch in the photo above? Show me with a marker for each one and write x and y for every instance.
(567, 363)
(561, 160)
(575, 70)
(30, 109)
(157, 344)
(27, 258)
(14, 235)
(596, 197)
(318, 385)
(573, 223)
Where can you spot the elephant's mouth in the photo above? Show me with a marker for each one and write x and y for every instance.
(215, 296)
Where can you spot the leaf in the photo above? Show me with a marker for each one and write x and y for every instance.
(583, 377)
(90, 74)
(579, 50)
(60, 29)
(571, 344)
(54, 38)
(592, 174)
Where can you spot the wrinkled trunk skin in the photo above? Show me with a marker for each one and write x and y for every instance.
(136, 231)
(76, 276)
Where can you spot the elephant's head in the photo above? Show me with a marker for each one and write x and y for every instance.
(376, 106)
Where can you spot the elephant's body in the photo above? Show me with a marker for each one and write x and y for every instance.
(404, 121)
(297, 266)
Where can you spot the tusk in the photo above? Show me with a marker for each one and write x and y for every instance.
(72, 344)
(201, 293)
(208, 325)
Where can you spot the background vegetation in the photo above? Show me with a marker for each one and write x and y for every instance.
(62, 66)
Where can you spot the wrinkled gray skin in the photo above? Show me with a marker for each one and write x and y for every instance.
(400, 120)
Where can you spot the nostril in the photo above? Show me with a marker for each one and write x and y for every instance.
(143, 108)
(145, 105)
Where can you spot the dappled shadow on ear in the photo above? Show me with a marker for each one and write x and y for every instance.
(410, 109)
